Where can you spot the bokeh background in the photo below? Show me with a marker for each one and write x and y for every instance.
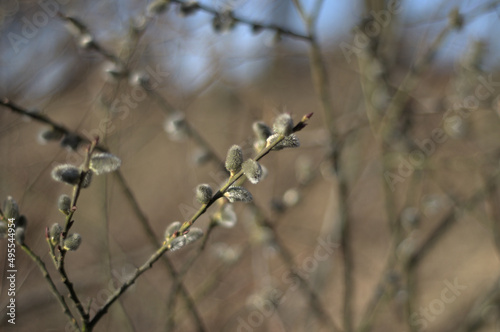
(365, 227)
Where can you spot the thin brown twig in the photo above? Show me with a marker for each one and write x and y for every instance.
(321, 83)
(168, 109)
(177, 287)
(52, 286)
(257, 26)
(386, 131)
(317, 307)
(167, 262)
(410, 81)
(449, 220)
(476, 318)
(493, 198)
(69, 222)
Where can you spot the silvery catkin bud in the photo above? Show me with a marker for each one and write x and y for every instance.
(71, 141)
(20, 235)
(55, 233)
(177, 243)
(3, 229)
(189, 7)
(172, 228)
(87, 179)
(290, 141)
(226, 217)
(21, 221)
(261, 130)
(283, 124)
(158, 7)
(193, 235)
(64, 204)
(238, 194)
(10, 208)
(176, 126)
(201, 156)
(203, 193)
(104, 163)
(252, 170)
(72, 242)
(66, 173)
(50, 134)
(234, 159)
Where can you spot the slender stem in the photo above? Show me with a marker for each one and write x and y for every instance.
(314, 299)
(69, 222)
(393, 112)
(320, 79)
(493, 198)
(45, 119)
(168, 264)
(475, 318)
(143, 268)
(177, 284)
(239, 19)
(72, 293)
(52, 286)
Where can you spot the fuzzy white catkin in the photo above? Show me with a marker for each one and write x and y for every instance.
(234, 159)
(64, 203)
(227, 218)
(290, 141)
(193, 235)
(71, 141)
(20, 235)
(55, 233)
(72, 242)
(177, 243)
(48, 135)
(238, 194)
(203, 193)
(252, 170)
(87, 180)
(158, 7)
(10, 208)
(176, 126)
(104, 163)
(66, 173)
(172, 228)
(261, 130)
(3, 229)
(283, 124)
